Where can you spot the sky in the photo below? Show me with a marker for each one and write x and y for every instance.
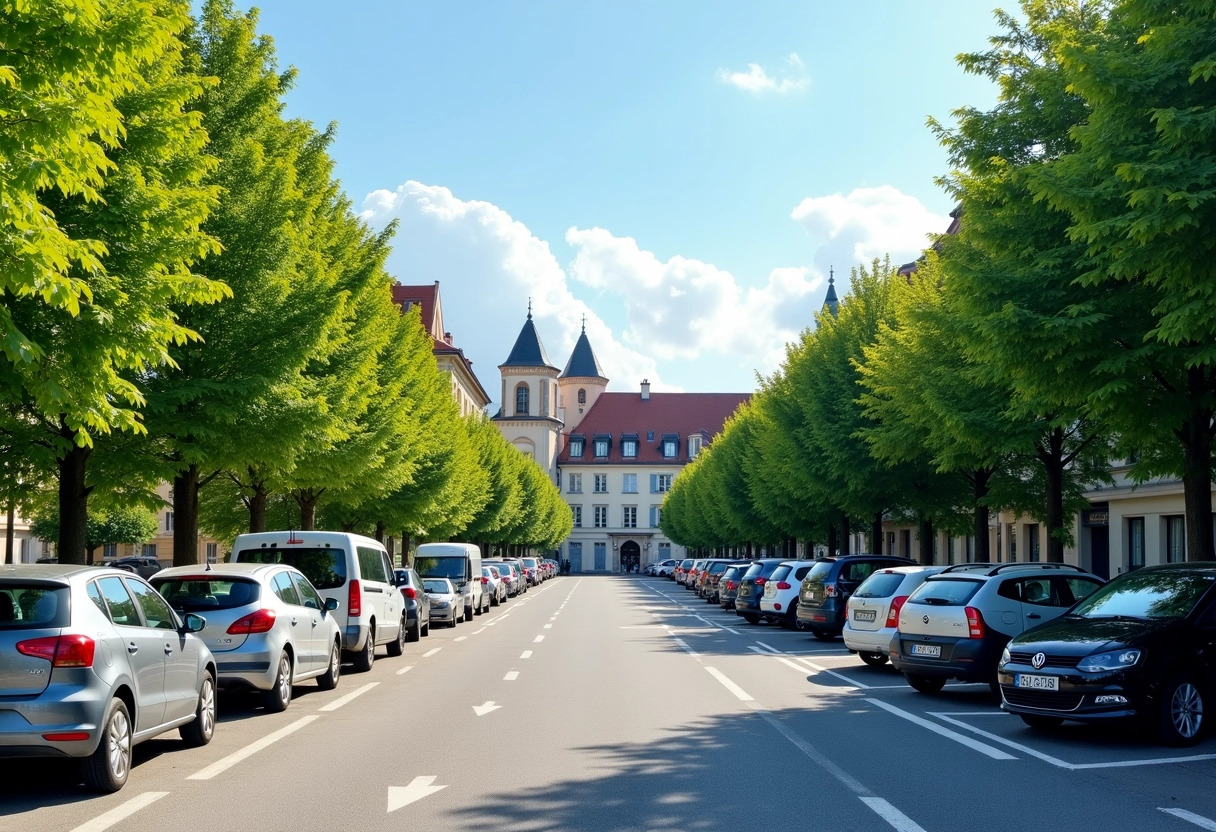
(679, 175)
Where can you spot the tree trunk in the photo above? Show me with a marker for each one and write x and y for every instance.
(257, 510)
(73, 502)
(9, 533)
(185, 517)
(1053, 464)
(846, 535)
(832, 541)
(926, 542)
(1196, 436)
(380, 531)
(876, 534)
(308, 510)
(980, 479)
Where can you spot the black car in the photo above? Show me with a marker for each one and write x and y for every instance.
(417, 604)
(751, 588)
(1143, 646)
(823, 600)
(142, 565)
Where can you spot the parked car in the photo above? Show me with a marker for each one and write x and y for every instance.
(681, 570)
(267, 626)
(512, 579)
(141, 565)
(663, 568)
(461, 564)
(1138, 647)
(779, 602)
(446, 604)
(873, 610)
(353, 570)
(825, 591)
(492, 584)
(551, 567)
(532, 570)
(956, 624)
(728, 584)
(751, 587)
(711, 577)
(693, 573)
(93, 662)
(417, 604)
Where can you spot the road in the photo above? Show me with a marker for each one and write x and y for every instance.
(624, 703)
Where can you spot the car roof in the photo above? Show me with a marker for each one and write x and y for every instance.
(984, 571)
(910, 569)
(797, 562)
(219, 570)
(50, 571)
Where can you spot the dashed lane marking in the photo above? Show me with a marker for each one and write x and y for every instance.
(339, 702)
(729, 685)
(1191, 817)
(431, 652)
(527, 654)
(511, 676)
(538, 639)
(120, 812)
(405, 669)
(235, 757)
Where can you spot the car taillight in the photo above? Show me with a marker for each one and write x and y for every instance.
(897, 603)
(60, 651)
(484, 579)
(782, 585)
(829, 590)
(354, 600)
(409, 592)
(256, 622)
(759, 581)
(975, 623)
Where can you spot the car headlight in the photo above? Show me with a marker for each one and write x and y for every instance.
(1005, 657)
(1116, 660)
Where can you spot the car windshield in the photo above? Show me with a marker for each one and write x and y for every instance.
(325, 567)
(441, 567)
(944, 592)
(196, 593)
(879, 585)
(820, 571)
(25, 607)
(1148, 594)
(437, 586)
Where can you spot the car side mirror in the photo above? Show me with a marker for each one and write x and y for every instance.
(331, 604)
(195, 623)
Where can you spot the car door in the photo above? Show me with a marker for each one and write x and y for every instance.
(180, 651)
(394, 601)
(1043, 598)
(144, 650)
(319, 636)
(299, 623)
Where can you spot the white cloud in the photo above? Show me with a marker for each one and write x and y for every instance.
(868, 223)
(757, 79)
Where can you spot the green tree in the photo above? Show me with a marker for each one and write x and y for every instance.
(123, 524)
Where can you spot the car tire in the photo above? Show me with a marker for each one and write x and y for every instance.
(414, 633)
(925, 684)
(397, 646)
(1180, 718)
(751, 617)
(107, 768)
(1040, 722)
(874, 659)
(200, 731)
(366, 657)
(278, 697)
(329, 679)
(823, 635)
(426, 628)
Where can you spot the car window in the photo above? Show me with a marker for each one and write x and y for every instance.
(281, 584)
(95, 596)
(437, 585)
(307, 594)
(1011, 589)
(371, 564)
(781, 571)
(199, 593)
(33, 607)
(1156, 594)
(325, 567)
(1041, 592)
(855, 573)
(821, 570)
(1077, 589)
(119, 602)
(879, 585)
(944, 592)
(801, 571)
(157, 614)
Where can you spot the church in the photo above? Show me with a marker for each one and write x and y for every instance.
(612, 455)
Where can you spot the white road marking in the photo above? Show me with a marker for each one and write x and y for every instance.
(644, 627)
(418, 788)
(120, 812)
(684, 645)
(732, 632)
(729, 685)
(339, 702)
(527, 654)
(475, 632)
(708, 622)
(538, 639)
(232, 759)
(511, 676)
(854, 785)
(431, 652)
(460, 638)
(792, 664)
(482, 710)
(547, 627)
(816, 667)
(891, 815)
(553, 618)
(994, 753)
(405, 669)
(1191, 817)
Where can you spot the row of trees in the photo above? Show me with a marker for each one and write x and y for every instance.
(1068, 322)
(187, 295)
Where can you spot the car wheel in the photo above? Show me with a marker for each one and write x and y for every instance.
(329, 680)
(397, 646)
(1040, 722)
(874, 659)
(279, 697)
(202, 729)
(106, 769)
(1180, 720)
(415, 632)
(751, 618)
(426, 628)
(925, 684)
(367, 656)
(823, 635)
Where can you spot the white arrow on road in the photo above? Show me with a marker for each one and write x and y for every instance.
(418, 788)
(482, 710)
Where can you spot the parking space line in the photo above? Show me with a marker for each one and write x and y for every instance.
(891, 815)
(220, 766)
(976, 745)
(121, 812)
(729, 685)
(405, 669)
(338, 703)
(706, 620)
(819, 669)
(684, 646)
(1191, 817)
(787, 662)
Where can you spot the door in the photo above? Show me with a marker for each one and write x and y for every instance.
(1043, 598)
(631, 556)
(601, 557)
(312, 608)
(576, 557)
(299, 629)
(145, 653)
(1099, 551)
(180, 652)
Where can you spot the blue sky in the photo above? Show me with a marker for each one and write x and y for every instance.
(682, 173)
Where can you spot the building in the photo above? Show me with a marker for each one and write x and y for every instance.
(613, 455)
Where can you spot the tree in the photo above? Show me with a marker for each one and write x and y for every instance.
(125, 524)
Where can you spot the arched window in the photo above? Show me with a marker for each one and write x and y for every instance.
(582, 396)
(521, 400)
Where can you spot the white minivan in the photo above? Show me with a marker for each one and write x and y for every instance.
(460, 563)
(354, 570)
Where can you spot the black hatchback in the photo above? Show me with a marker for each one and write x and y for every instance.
(1143, 645)
(823, 598)
(751, 588)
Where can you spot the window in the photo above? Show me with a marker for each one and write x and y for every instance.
(1135, 542)
(212, 552)
(1175, 539)
(281, 584)
(601, 517)
(168, 521)
(601, 483)
(1032, 542)
(694, 446)
(119, 602)
(1013, 545)
(629, 448)
(660, 483)
(630, 484)
(656, 516)
(150, 550)
(629, 517)
(582, 396)
(664, 551)
(521, 400)
(307, 594)
(110, 550)
(157, 614)
(669, 447)
(577, 512)
(576, 446)
(575, 482)
(601, 447)
(371, 565)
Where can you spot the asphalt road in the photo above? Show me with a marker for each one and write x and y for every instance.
(625, 703)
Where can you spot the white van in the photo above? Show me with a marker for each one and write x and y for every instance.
(461, 564)
(354, 570)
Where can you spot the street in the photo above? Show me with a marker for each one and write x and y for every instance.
(626, 703)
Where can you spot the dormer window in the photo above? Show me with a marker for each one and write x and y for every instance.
(629, 446)
(600, 446)
(576, 445)
(671, 446)
(694, 446)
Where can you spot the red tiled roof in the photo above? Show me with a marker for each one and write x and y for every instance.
(663, 414)
(406, 296)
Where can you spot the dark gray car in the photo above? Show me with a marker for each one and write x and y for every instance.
(417, 604)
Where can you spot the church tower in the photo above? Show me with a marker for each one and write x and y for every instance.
(528, 418)
(580, 383)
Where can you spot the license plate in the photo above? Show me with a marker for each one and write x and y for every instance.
(864, 615)
(926, 650)
(1029, 680)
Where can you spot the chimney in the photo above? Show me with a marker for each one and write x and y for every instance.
(645, 389)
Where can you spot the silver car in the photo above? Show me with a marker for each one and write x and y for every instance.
(266, 624)
(446, 606)
(492, 583)
(92, 662)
